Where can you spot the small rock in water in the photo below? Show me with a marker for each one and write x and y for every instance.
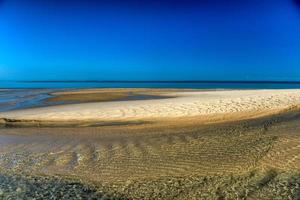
(18, 190)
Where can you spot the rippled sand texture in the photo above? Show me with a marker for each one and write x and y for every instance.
(186, 104)
(144, 160)
(174, 158)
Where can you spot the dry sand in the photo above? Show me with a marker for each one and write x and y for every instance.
(203, 104)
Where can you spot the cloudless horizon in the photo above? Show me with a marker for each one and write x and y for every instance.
(150, 40)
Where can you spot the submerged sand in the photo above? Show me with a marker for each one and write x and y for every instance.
(104, 95)
(156, 149)
(248, 159)
(205, 104)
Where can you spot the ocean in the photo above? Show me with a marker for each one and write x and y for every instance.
(150, 84)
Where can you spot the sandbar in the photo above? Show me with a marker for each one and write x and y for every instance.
(210, 105)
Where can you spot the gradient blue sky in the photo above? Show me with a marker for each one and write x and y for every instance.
(150, 40)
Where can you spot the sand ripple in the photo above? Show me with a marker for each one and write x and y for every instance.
(186, 104)
(114, 155)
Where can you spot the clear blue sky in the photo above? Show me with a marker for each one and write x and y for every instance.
(150, 40)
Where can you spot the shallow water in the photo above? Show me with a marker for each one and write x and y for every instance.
(14, 99)
(136, 161)
(22, 98)
(33, 187)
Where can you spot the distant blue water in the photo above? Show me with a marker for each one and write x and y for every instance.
(120, 84)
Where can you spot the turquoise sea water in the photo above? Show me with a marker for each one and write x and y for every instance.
(151, 84)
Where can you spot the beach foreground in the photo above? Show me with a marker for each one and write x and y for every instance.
(178, 156)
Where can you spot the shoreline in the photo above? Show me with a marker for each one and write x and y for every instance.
(207, 120)
(202, 106)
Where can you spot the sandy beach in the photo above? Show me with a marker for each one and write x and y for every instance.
(149, 100)
(163, 150)
(206, 105)
(249, 159)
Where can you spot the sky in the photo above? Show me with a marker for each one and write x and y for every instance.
(150, 40)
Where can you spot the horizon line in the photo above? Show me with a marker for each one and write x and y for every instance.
(158, 81)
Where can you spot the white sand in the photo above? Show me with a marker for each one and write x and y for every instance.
(196, 103)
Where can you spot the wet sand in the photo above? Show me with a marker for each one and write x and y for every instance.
(104, 95)
(256, 158)
(16, 99)
(253, 157)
